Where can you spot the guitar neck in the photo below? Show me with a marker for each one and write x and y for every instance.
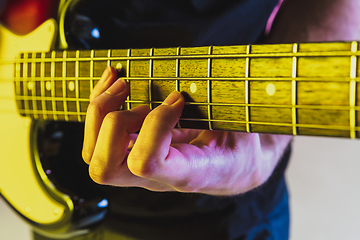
(297, 89)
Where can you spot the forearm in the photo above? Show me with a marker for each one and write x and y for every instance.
(317, 20)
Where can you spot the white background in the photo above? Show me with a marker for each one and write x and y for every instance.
(323, 177)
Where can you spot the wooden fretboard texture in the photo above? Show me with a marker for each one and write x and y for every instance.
(298, 89)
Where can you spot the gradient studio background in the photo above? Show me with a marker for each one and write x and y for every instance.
(323, 175)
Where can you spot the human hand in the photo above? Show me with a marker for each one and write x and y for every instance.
(161, 158)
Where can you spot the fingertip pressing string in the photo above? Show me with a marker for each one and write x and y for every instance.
(117, 87)
(172, 98)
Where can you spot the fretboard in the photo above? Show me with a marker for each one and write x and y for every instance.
(297, 89)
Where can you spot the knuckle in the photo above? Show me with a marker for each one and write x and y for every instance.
(100, 171)
(96, 178)
(164, 115)
(153, 117)
(157, 115)
(114, 118)
(95, 109)
(99, 174)
(142, 168)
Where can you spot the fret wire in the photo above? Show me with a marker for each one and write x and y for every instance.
(33, 89)
(91, 70)
(25, 84)
(352, 102)
(77, 89)
(108, 57)
(42, 84)
(177, 62)
(52, 77)
(64, 86)
(247, 88)
(128, 75)
(177, 75)
(150, 76)
(294, 89)
(209, 90)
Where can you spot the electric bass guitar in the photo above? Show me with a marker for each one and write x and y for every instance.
(296, 89)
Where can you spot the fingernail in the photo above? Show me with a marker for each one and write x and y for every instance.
(172, 98)
(117, 87)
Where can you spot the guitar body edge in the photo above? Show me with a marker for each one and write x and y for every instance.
(23, 183)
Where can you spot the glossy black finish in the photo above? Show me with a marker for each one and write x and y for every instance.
(59, 148)
(94, 24)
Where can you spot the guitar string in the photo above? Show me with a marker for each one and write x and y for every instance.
(242, 123)
(331, 127)
(146, 79)
(212, 56)
(280, 124)
(34, 57)
(244, 55)
(345, 79)
(205, 103)
(195, 56)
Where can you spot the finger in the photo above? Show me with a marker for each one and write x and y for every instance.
(113, 141)
(109, 162)
(153, 143)
(107, 79)
(109, 101)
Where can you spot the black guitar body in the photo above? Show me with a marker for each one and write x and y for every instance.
(59, 147)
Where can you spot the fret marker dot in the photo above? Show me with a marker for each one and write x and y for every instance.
(270, 89)
(71, 86)
(118, 67)
(193, 87)
(30, 85)
(48, 85)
